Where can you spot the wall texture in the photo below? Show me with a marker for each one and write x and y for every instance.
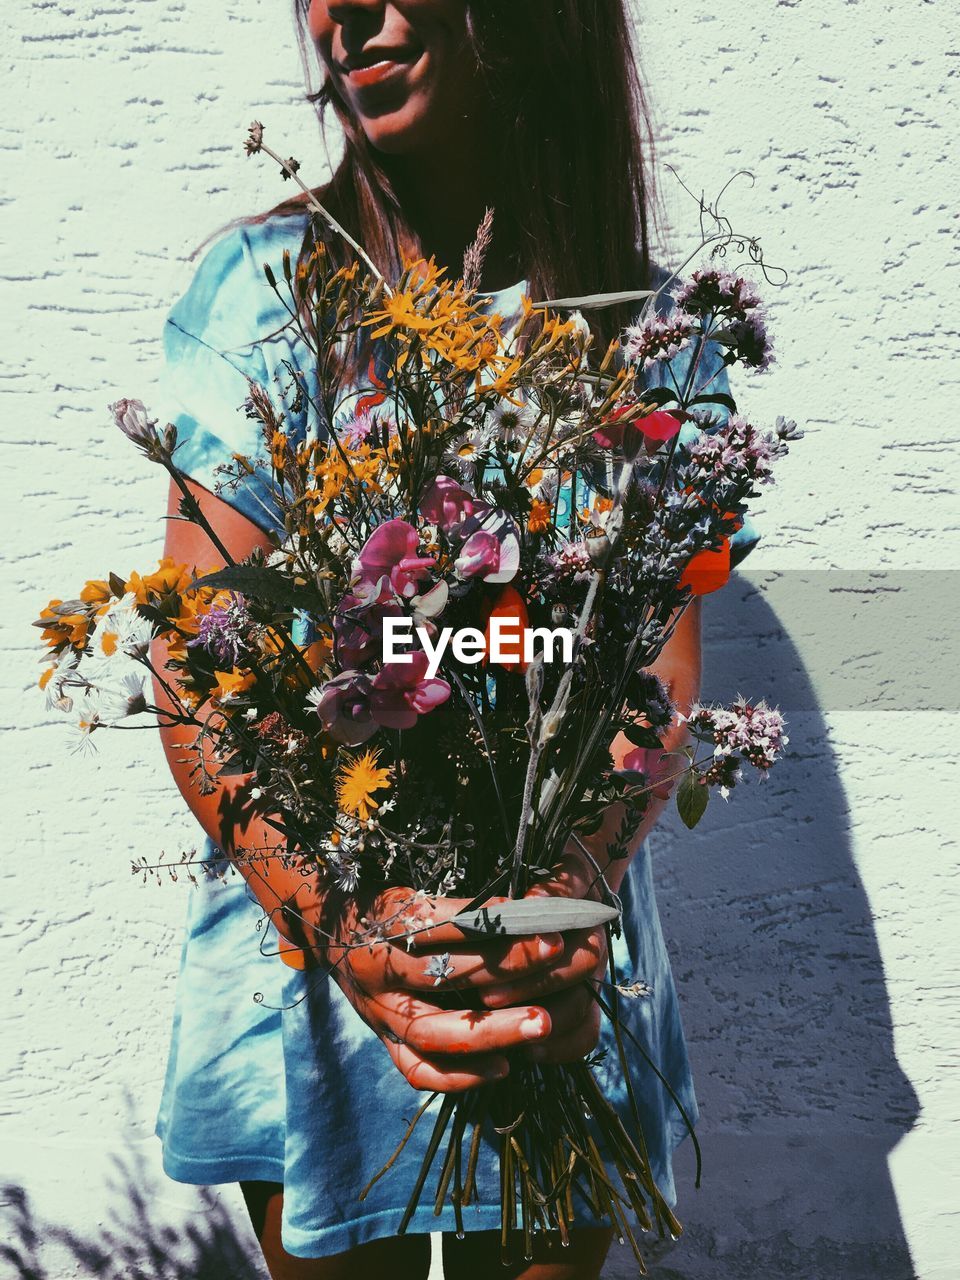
(813, 919)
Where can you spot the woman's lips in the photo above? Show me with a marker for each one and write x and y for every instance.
(385, 68)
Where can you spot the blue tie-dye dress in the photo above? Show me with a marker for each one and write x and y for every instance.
(272, 1075)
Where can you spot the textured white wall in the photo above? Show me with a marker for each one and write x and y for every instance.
(811, 920)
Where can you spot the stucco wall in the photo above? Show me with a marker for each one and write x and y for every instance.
(812, 921)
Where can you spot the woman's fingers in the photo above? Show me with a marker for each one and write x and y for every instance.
(584, 954)
(386, 967)
(387, 1016)
(441, 1077)
(572, 1044)
(572, 877)
(568, 1009)
(432, 1031)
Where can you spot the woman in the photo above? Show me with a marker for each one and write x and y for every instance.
(448, 107)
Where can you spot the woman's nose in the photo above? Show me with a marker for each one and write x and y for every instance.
(340, 10)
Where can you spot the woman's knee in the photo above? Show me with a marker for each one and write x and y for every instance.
(404, 1257)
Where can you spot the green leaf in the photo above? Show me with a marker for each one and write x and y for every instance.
(262, 584)
(692, 797)
(716, 397)
(594, 301)
(641, 737)
(659, 395)
(522, 917)
(590, 824)
(117, 585)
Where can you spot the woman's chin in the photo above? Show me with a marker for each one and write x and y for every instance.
(400, 132)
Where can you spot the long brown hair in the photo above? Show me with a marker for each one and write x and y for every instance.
(564, 74)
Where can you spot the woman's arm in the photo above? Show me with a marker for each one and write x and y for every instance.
(226, 814)
(679, 666)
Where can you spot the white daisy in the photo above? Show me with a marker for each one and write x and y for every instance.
(511, 422)
(472, 447)
(63, 676)
(543, 483)
(84, 728)
(121, 629)
(121, 694)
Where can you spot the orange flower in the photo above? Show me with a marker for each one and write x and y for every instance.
(508, 604)
(63, 627)
(278, 450)
(538, 520)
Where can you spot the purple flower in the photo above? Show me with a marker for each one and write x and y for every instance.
(754, 730)
(356, 430)
(710, 291)
(388, 564)
(738, 453)
(571, 560)
(343, 705)
(224, 631)
(401, 692)
(447, 504)
(659, 338)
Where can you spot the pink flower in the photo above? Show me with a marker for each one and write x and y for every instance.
(447, 504)
(388, 564)
(609, 435)
(492, 547)
(656, 426)
(654, 768)
(401, 693)
(659, 425)
(358, 629)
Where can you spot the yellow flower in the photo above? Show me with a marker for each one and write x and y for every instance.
(357, 781)
(539, 519)
(191, 698)
(62, 626)
(342, 474)
(503, 381)
(96, 592)
(168, 576)
(232, 683)
(278, 450)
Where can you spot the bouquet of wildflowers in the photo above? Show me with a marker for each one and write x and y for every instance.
(475, 564)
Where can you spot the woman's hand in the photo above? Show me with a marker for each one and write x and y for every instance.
(556, 985)
(563, 988)
(407, 989)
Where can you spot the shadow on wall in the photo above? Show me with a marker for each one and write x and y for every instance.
(133, 1244)
(785, 1008)
(782, 990)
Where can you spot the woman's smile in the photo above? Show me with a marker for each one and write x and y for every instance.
(405, 69)
(377, 65)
